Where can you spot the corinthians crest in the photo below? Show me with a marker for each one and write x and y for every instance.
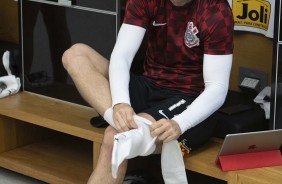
(190, 38)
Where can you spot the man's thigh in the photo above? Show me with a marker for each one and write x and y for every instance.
(194, 137)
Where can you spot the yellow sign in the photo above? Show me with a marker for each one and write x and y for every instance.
(251, 13)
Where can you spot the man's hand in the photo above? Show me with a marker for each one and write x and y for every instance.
(166, 130)
(123, 117)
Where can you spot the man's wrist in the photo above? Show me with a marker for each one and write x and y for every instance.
(121, 104)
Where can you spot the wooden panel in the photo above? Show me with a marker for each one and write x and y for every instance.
(62, 160)
(253, 51)
(7, 134)
(271, 175)
(96, 153)
(9, 30)
(14, 133)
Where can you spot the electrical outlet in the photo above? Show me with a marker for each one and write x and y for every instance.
(65, 2)
(252, 79)
(250, 83)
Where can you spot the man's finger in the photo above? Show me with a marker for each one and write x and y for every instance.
(121, 123)
(131, 122)
(157, 130)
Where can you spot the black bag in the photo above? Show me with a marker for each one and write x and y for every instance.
(131, 179)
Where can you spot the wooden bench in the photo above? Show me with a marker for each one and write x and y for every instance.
(203, 161)
(48, 139)
(53, 141)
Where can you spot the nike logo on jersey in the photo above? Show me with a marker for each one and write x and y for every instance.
(163, 114)
(158, 24)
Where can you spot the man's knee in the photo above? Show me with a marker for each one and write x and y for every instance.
(74, 54)
(109, 134)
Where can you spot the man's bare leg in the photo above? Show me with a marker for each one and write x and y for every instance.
(89, 71)
(104, 163)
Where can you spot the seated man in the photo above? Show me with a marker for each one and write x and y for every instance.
(185, 79)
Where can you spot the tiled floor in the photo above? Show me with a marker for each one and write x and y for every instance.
(9, 177)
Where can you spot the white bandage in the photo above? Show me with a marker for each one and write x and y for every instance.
(139, 142)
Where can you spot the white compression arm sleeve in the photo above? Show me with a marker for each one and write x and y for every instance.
(216, 71)
(128, 42)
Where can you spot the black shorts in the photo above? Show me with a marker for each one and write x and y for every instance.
(162, 103)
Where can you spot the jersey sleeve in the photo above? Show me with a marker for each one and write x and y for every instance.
(136, 13)
(218, 30)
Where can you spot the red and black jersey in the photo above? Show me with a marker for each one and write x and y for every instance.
(178, 37)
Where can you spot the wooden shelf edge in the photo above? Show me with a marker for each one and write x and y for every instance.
(50, 113)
